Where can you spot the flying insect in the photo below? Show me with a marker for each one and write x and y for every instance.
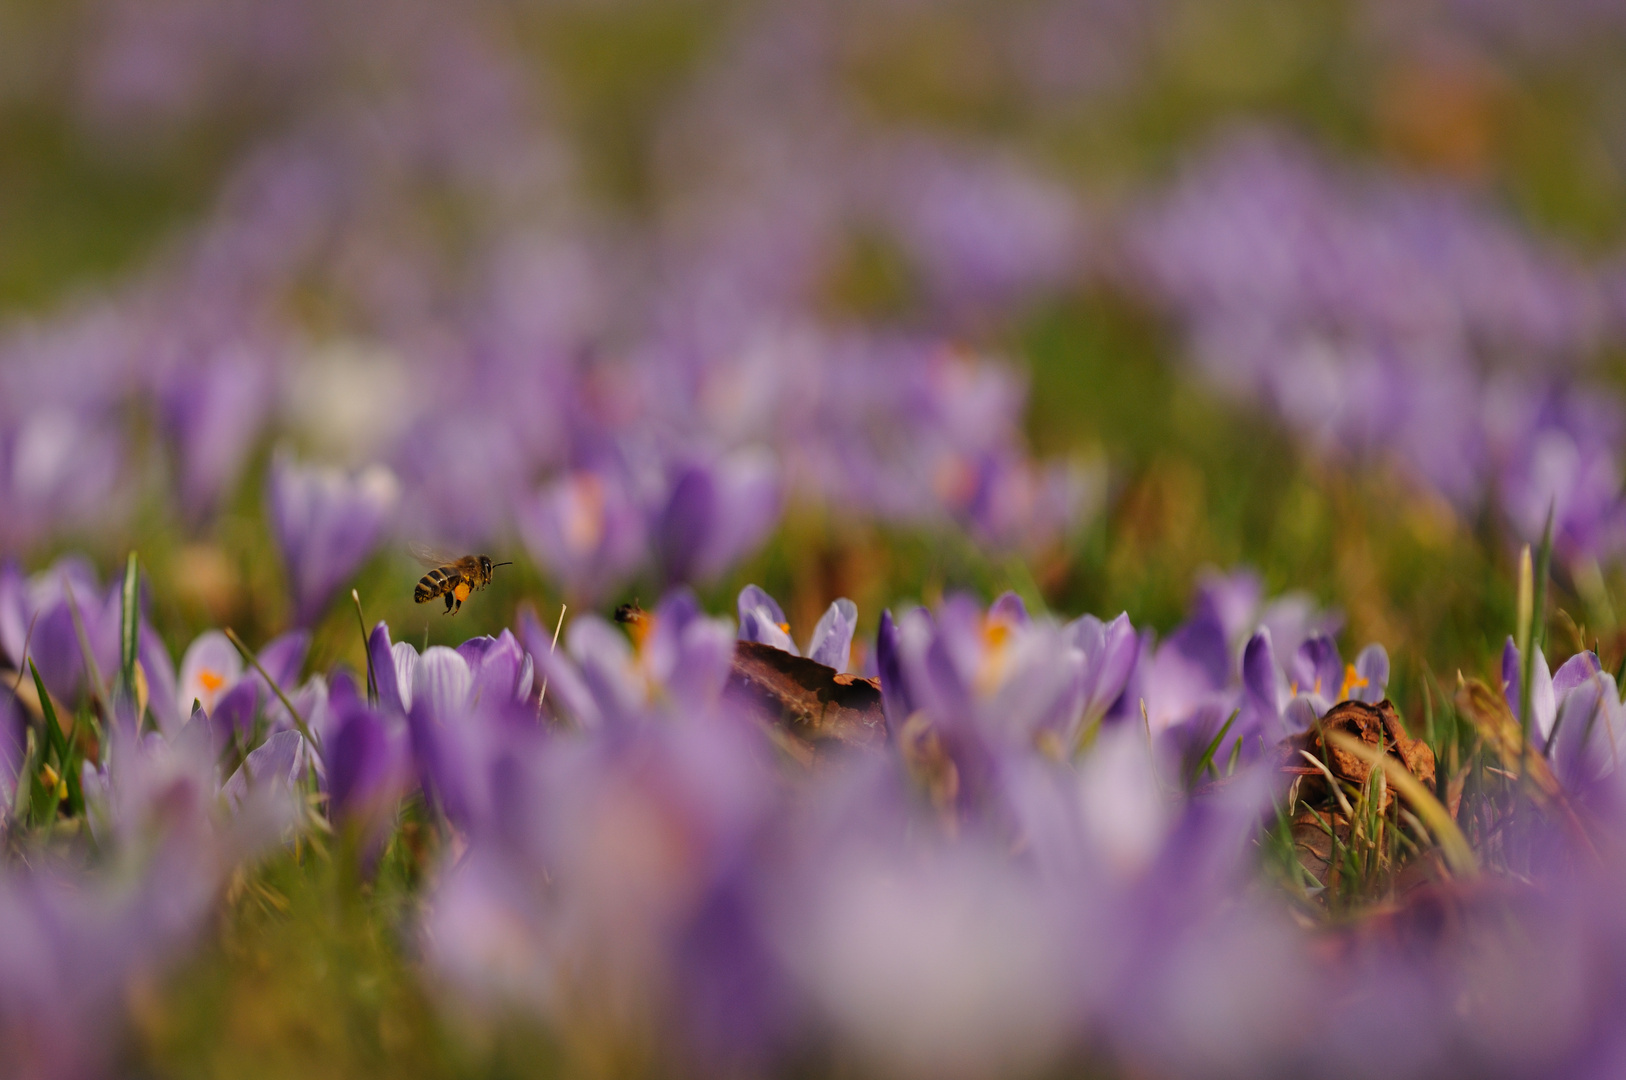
(454, 579)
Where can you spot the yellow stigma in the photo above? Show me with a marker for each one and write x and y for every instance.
(211, 680)
(1352, 682)
(785, 626)
(996, 634)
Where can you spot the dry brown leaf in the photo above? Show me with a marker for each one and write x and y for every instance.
(1375, 725)
(814, 702)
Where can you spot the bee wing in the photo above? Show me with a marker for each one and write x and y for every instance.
(430, 557)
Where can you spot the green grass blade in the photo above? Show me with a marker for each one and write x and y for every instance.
(130, 627)
(366, 651)
(1207, 760)
(1532, 635)
(1459, 854)
(66, 754)
(254, 662)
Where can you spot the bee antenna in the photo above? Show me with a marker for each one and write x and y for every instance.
(497, 564)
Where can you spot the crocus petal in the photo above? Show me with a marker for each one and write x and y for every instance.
(567, 691)
(1575, 671)
(1259, 676)
(1510, 674)
(210, 667)
(386, 679)
(1317, 669)
(405, 659)
(1372, 665)
(832, 639)
(895, 697)
(1543, 701)
(234, 710)
(686, 523)
(496, 673)
(747, 494)
(763, 620)
(357, 762)
(160, 673)
(527, 677)
(705, 657)
(474, 649)
(283, 657)
(326, 524)
(441, 684)
(55, 650)
(279, 761)
(605, 660)
(13, 619)
(1109, 651)
(1009, 608)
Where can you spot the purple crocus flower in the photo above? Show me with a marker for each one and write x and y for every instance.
(636, 833)
(13, 725)
(1007, 674)
(943, 963)
(985, 232)
(1558, 453)
(715, 513)
(60, 468)
(1317, 673)
(762, 620)
(1110, 652)
(455, 703)
(368, 769)
(214, 412)
(279, 763)
(214, 677)
(587, 529)
(326, 524)
(1577, 718)
(37, 622)
(677, 668)
(1197, 673)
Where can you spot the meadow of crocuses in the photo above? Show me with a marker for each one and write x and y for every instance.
(1044, 538)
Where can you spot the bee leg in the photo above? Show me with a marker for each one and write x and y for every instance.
(448, 602)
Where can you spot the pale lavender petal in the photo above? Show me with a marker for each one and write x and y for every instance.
(326, 525)
(1372, 665)
(1009, 608)
(387, 680)
(211, 666)
(1575, 671)
(279, 762)
(497, 672)
(441, 685)
(832, 639)
(404, 659)
(159, 670)
(1317, 668)
(1259, 675)
(762, 620)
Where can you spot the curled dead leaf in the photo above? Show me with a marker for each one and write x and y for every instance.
(817, 704)
(1374, 725)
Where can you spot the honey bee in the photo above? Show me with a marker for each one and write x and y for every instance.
(635, 619)
(452, 578)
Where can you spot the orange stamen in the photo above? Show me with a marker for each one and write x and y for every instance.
(1352, 682)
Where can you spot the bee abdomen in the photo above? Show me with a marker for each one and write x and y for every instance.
(430, 586)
